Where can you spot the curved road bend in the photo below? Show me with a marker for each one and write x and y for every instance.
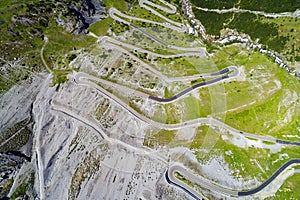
(189, 53)
(201, 181)
(186, 91)
(113, 11)
(173, 79)
(205, 183)
(267, 182)
(190, 89)
(151, 69)
(173, 9)
(184, 187)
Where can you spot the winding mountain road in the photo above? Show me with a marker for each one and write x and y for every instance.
(173, 79)
(224, 74)
(116, 14)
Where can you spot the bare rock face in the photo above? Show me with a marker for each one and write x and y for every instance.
(9, 164)
(78, 16)
(16, 137)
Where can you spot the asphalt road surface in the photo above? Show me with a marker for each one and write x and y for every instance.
(184, 92)
(267, 182)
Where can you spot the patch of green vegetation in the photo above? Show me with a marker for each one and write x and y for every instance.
(142, 24)
(260, 118)
(5, 3)
(255, 91)
(195, 81)
(59, 77)
(256, 28)
(177, 17)
(13, 76)
(162, 137)
(205, 102)
(17, 41)
(215, 4)
(138, 39)
(15, 136)
(144, 14)
(171, 37)
(203, 65)
(212, 21)
(210, 47)
(118, 27)
(167, 93)
(62, 42)
(246, 91)
(132, 2)
(118, 4)
(278, 34)
(101, 108)
(24, 25)
(250, 161)
(246, 162)
(65, 61)
(22, 189)
(270, 6)
(204, 144)
(17, 141)
(163, 51)
(84, 172)
(248, 23)
(268, 143)
(199, 137)
(5, 187)
(100, 27)
(289, 189)
(175, 3)
(254, 139)
(272, 112)
(176, 66)
(288, 27)
(171, 116)
(225, 57)
(20, 38)
(289, 129)
(183, 179)
(157, 2)
(192, 108)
